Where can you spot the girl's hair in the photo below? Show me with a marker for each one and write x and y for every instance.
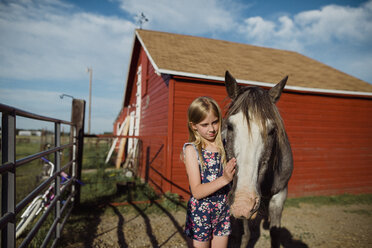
(197, 112)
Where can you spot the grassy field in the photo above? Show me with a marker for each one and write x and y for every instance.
(345, 199)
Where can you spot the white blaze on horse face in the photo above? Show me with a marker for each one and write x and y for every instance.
(248, 146)
(247, 151)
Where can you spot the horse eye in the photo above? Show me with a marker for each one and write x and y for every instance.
(230, 127)
(272, 131)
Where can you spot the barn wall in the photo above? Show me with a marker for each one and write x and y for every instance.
(331, 139)
(154, 102)
(153, 131)
(153, 125)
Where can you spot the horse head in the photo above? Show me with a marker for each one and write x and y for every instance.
(254, 134)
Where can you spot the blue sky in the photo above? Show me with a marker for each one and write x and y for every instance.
(47, 45)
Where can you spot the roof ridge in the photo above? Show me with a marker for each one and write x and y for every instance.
(217, 40)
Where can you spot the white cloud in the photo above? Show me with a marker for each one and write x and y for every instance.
(339, 36)
(257, 28)
(316, 26)
(49, 44)
(48, 40)
(189, 17)
(338, 22)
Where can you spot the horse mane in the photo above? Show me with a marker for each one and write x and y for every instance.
(255, 103)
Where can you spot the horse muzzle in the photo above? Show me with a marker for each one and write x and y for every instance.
(245, 205)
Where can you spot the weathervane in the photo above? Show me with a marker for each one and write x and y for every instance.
(141, 19)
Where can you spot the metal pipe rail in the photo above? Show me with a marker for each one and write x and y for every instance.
(9, 165)
(6, 109)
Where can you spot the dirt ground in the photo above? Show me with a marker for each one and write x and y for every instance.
(303, 226)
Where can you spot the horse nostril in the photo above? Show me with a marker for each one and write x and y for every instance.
(256, 205)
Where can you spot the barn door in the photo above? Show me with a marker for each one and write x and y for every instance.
(135, 115)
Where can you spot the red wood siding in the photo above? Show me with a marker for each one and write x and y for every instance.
(154, 110)
(154, 121)
(331, 139)
(153, 124)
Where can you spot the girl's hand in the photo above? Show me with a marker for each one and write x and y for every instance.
(229, 171)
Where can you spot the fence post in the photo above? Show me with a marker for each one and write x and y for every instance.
(78, 117)
(147, 168)
(8, 189)
(57, 180)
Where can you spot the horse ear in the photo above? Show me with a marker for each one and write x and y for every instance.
(232, 86)
(276, 91)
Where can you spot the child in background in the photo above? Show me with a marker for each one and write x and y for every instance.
(208, 215)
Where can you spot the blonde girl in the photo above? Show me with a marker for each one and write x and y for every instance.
(208, 215)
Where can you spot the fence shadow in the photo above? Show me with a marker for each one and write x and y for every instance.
(87, 213)
(146, 219)
(160, 174)
(120, 228)
(179, 228)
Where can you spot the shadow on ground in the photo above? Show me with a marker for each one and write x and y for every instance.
(88, 215)
(284, 236)
(149, 229)
(86, 219)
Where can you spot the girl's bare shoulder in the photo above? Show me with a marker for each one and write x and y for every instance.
(189, 150)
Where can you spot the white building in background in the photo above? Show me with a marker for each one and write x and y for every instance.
(29, 133)
(24, 133)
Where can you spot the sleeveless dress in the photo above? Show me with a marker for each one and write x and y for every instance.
(210, 215)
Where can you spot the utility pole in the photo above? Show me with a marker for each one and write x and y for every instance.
(89, 69)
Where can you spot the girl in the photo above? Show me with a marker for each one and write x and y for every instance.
(208, 215)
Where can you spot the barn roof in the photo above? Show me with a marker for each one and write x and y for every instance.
(206, 58)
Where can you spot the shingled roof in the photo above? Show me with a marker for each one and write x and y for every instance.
(186, 55)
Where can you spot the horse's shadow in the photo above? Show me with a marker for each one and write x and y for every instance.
(285, 237)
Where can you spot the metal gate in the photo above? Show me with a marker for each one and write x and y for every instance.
(8, 169)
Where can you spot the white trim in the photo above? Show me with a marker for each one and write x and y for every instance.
(222, 79)
(128, 69)
(157, 71)
(295, 88)
(138, 101)
(341, 92)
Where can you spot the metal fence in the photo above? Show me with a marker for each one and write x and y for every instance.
(9, 207)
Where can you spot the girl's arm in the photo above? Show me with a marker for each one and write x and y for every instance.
(200, 190)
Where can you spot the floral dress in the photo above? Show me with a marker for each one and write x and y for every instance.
(210, 215)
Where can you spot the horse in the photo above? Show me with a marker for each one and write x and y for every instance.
(253, 132)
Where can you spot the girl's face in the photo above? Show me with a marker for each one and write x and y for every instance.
(207, 128)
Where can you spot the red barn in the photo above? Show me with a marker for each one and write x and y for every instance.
(327, 113)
